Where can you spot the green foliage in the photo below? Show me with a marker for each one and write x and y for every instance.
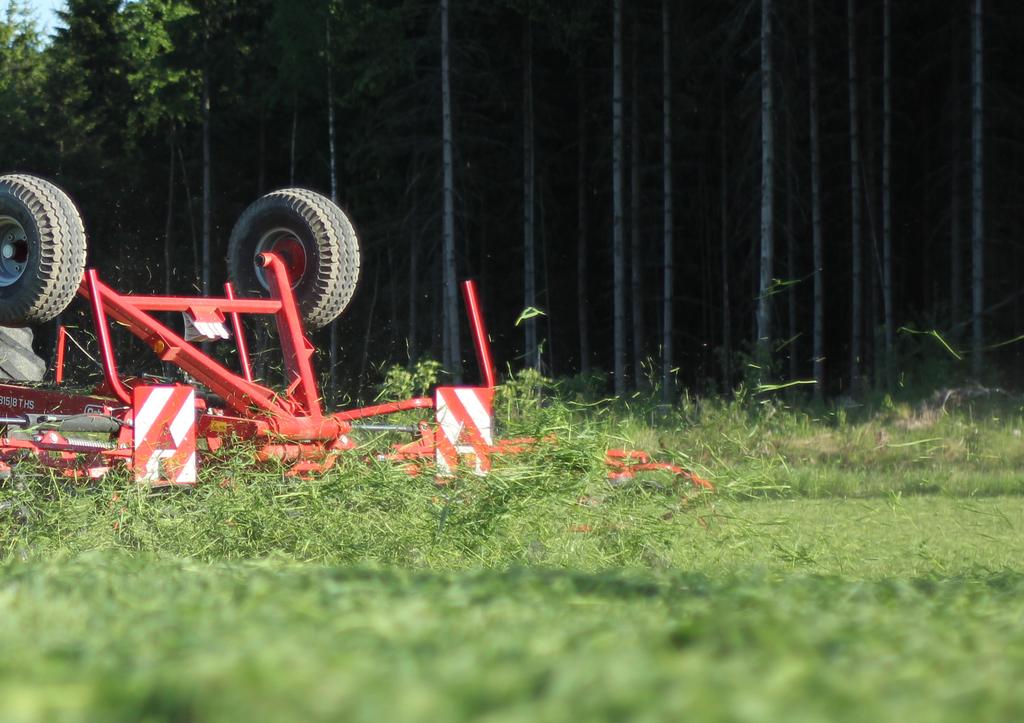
(870, 557)
(22, 82)
(857, 561)
(89, 83)
(801, 611)
(163, 93)
(403, 382)
(149, 639)
(524, 395)
(589, 387)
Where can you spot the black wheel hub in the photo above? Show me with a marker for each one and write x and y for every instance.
(13, 250)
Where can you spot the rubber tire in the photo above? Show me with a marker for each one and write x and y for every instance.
(327, 238)
(56, 243)
(17, 360)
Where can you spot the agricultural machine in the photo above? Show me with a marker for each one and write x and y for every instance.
(293, 257)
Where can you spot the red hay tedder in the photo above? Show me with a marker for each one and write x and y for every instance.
(293, 256)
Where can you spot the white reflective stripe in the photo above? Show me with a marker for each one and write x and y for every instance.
(151, 408)
(204, 330)
(213, 329)
(153, 464)
(186, 474)
(478, 414)
(446, 419)
(188, 470)
(184, 420)
(467, 450)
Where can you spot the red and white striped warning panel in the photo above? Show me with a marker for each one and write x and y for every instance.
(465, 425)
(164, 434)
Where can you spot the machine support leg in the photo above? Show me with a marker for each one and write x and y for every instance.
(103, 337)
(62, 338)
(476, 324)
(236, 326)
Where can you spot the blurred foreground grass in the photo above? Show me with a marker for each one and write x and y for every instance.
(109, 637)
(853, 565)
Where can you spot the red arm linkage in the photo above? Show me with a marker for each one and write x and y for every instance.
(295, 414)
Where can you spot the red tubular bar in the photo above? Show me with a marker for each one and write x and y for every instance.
(92, 283)
(389, 408)
(476, 324)
(298, 352)
(236, 326)
(226, 306)
(239, 394)
(62, 337)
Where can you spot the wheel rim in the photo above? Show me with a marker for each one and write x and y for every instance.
(288, 248)
(13, 251)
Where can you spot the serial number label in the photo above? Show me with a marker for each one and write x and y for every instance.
(17, 402)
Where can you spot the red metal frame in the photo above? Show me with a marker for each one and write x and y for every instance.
(18, 400)
(389, 408)
(289, 425)
(239, 330)
(295, 413)
(62, 337)
(476, 324)
(623, 464)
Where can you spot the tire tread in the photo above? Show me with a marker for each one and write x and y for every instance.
(337, 270)
(61, 246)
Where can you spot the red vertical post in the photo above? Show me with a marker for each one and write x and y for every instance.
(236, 326)
(103, 337)
(476, 324)
(297, 349)
(62, 336)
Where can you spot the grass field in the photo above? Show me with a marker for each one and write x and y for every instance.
(850, 567)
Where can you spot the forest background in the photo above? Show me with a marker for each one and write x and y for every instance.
(651, 194)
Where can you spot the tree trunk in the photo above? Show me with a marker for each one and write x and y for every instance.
(764, 333)
(369, 325)
(582, 305)
(207, 191)
(955, 212)
(261, 160)
(635, 244)
(667, 381)
(724, 209)
(295, 133)
(977, 193)
(332, 148)
(856, 266)
(547, 344)
(817, 246)
(169, 226)
(618, 254)
(332, 160)
(190, 204)
(956, 259)
(532, 359)
(449, 310)
(414, 244)
(793, 343)
(887, 193)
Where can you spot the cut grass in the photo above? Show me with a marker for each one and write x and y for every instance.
(844, 570)
(116, 638)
